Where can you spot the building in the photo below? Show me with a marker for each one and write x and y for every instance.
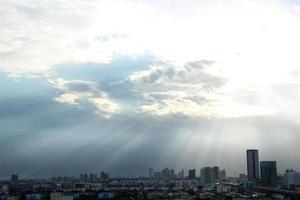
(206, 175)
(214, 174)
(243, 177)
(105, 195)
(291, 178)
(93, 178)
(84, 178)
(172, 174)
(62, 179)
(81, 195)
(104, 176)
(268, 173)
(157, 175)
(181, 174)
(3, 196)
(192, 173)
(166, 173)
(60, 196)
(252, 165)
(150, 172)
(33, 196)
(222, 174)
(14, 178)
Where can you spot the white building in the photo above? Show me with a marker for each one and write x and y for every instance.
(291, 178)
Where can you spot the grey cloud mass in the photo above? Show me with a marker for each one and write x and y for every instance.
(192, 73)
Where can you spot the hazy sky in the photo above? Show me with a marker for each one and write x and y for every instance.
(122, 86)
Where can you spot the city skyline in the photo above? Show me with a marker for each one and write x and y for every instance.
(207, 174)
(212, 182)
(123, 86)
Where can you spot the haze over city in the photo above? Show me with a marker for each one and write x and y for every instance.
(124, 86)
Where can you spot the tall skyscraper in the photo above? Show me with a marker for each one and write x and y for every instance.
(268, 173)
(252, 165)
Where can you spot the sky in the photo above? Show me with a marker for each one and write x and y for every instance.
(123, 86)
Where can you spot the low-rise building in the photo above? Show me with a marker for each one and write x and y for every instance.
(291, 178)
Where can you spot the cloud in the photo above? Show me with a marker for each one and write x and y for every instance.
(190, 74)
(44, 34)
(67, 98)
(181, 89)
(193, 89)
(78, 91)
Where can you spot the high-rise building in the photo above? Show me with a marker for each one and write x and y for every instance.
(93, 178)
(181, 174)
(268, 173)
(84, 178)
(214, 174)
(14, 177)
(157, 175)
(222, 174)
(172, 173)
(206, 175)
(192, 173)
(150, 173)
(252, 165)
(166, 174)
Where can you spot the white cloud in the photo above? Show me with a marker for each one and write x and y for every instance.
(38, 35)
(193, 89)
(246, 36)
(77, 91)
(67, 98)
(255, 43)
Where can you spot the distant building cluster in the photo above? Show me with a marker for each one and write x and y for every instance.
(166, 173)
(93, 177)
(207, 175)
